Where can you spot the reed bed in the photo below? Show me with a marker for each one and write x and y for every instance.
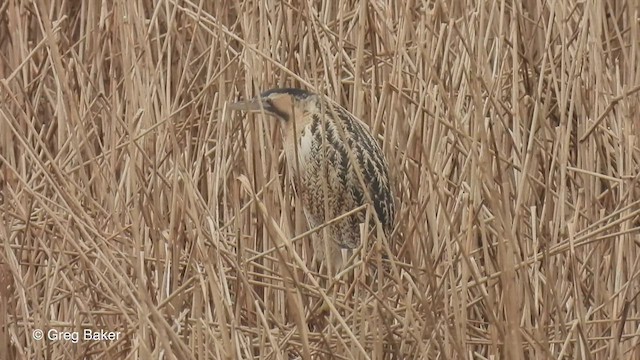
(133, 201)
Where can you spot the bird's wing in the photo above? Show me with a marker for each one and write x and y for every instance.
(349, 148)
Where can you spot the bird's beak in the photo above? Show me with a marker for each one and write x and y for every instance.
(246, 105)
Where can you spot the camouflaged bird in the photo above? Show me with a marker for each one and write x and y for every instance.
(325, 147)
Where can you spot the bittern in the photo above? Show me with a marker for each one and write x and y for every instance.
(335, 165)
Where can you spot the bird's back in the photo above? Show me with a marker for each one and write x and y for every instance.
(332, 170)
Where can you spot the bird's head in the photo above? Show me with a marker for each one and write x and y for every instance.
(281, 103)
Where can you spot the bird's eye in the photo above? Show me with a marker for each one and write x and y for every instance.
(268, 105)
(273, 109)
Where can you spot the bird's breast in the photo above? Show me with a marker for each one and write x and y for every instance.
(298, 149)
(298, 143)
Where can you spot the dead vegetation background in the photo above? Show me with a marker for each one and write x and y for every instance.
(132, 201)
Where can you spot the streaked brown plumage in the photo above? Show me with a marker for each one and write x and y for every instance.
(308, 121)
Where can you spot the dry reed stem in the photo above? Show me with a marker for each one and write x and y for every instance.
(132, 201)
